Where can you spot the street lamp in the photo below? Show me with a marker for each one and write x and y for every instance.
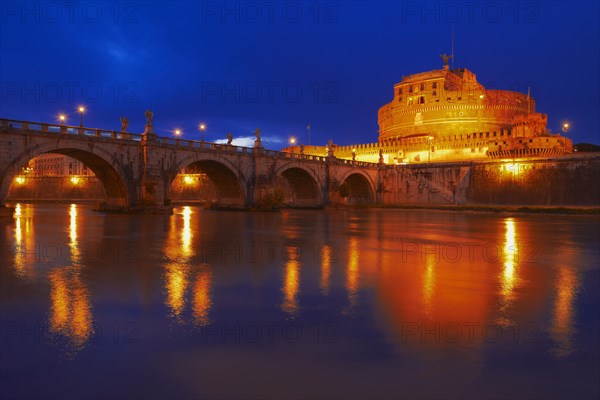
(81, 110)
(429, 139)
(177, 132)
(62, 118)
(565, 127)
(292, 142)
(353, 154)
(202, 129)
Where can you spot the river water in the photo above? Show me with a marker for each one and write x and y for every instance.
(296, 304)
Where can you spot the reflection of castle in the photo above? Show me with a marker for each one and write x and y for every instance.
(446, 115)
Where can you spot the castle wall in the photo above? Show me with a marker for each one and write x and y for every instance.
(555, 181)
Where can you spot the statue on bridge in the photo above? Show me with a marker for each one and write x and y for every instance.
(229, 138)
(301, 149)
(258, 141)
(124, 124)
(149, 115)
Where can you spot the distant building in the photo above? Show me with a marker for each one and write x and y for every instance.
(51, 164)
(446, 115)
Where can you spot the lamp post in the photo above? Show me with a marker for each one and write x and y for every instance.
(565, 127)
(81, 110)
(429, 139)
(62, 118)
(202, 129)
(177, 132)
(292, 142)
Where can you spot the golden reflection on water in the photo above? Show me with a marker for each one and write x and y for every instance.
(566, 286)
(291, 281)
(73, 243)
(26, 251)
(325, 269)
(186, 232)
(508, 279)
(429, 284)
(352, 272)
(202, 299)
(176, 281)
(70, 309)
(181, 276)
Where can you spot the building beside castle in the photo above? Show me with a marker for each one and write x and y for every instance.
(51, 164)
(446, 115)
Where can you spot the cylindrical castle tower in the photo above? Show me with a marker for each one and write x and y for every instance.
(451, 102)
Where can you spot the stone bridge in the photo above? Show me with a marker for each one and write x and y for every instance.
(137, 170)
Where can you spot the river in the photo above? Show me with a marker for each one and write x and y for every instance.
(298, 304)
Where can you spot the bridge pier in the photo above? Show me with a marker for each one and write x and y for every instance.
(153, 186)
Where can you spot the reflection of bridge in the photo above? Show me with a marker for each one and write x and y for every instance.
(137, 170)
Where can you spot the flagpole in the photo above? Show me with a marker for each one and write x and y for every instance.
(308, 128)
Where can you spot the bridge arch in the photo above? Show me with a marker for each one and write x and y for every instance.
(101, 162)
(358, 187)
(303, 182)
(229, 182)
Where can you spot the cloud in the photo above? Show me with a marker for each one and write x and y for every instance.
(248, 141)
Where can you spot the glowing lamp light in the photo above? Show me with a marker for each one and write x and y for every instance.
(481, 96)
(20, 180)
(188, 180)
(292, 141)
(74, 180)
(177, 132)
(81, 110)
(62, 118)
(202, 127)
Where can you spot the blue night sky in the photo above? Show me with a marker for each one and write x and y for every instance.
(280, 65)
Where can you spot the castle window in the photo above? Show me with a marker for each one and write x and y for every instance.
(400, 91)
(434, 85)
(530, 140)
(400, 98)
(487, 134)
(520, 141)
(422, 100)
(434, 93)
(410, 88)
(422, 86)
(495, 133)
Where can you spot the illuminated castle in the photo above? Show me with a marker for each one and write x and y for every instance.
(446, 115)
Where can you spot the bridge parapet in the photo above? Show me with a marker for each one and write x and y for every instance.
(68, 129)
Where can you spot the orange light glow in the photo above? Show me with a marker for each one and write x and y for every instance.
(70, 309)
(291, 282)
